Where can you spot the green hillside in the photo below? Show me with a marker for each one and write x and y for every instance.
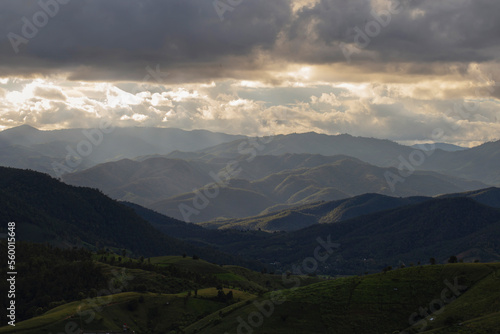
(453, 298)
(381, 303)
(65, 285)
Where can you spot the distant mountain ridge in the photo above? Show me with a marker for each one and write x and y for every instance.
(439, 146)
(378, 152)
(28, 148)
(477, 163)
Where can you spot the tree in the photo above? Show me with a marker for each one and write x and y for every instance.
(453, 259)
(432, 260)
(221, 296)
(229, 295)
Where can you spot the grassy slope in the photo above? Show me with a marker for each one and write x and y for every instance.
(381, 303)
(153, 313)
(235, 276)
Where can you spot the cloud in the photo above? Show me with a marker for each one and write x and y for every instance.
(370, 110)
(49, 93)
(116, 40)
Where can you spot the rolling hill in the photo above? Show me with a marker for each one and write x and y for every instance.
(454, 298)
(440, 146)
(143, 182)
(435, 228)
(304, 216)
(29, 148)
(342, 179)
(263, 184)
(374, 231)
(299, 217)
(194, 233)
(55, 280)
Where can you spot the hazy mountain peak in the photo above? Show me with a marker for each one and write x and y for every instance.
(22, 128)
(439, 146)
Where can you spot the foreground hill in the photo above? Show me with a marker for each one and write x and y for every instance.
(454, 298)
(47, 210)
(61, 286)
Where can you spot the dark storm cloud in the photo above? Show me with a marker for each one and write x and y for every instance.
(125, 36)
(118, 39)
(418, 31)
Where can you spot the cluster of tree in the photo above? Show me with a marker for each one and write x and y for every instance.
(50, 276)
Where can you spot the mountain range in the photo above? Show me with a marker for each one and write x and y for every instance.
(29, 148)
(266, 183)
(473, 164)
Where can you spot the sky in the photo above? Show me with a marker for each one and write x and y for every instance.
(392, 69)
